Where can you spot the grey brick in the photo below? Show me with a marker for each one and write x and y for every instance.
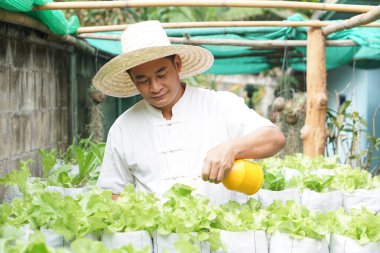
(5, 136)
(5, 99)
(27, 91)
(38, 92)
(3, 50)
(14, 90)
(21, 134)
(20, 53)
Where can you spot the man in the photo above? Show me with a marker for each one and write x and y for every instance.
(177, 133)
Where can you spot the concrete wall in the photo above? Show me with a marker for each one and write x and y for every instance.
(35, 88)
(34, 98)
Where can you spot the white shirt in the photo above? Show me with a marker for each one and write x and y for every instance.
(145, 149)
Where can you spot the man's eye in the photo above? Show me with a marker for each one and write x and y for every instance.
(142, 81)
(161, 75)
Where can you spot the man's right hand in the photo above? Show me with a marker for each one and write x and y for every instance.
(115, 196)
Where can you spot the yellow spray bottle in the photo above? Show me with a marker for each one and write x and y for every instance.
(245, 177)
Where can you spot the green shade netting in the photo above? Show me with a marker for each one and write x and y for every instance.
(234, 59)
(244, 60)
(53, 19)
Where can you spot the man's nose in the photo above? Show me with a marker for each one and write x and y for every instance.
(155, 85)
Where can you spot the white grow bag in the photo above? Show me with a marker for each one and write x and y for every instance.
(266, 197)
(254, 241)
(344, 244)
(12, 191)
(53, 239)
(324, 201)
(139, 239)
(164, 244)
(242, 198)
(290, 173)
(357, 199)
(284, 243)
(66, 191)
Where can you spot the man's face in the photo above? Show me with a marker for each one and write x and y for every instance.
(158, 81)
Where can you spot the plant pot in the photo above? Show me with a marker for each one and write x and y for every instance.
(362, 198)
(284, 243)
(344, 244)
(53, 239)
(165, 243)
(240, 242)
(139, 239)
(12, 191)
(66, 191)
(266, 197)
(323, 201)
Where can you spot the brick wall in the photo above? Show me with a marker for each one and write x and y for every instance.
(35, 81)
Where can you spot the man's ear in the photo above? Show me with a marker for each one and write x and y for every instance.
(177, 63)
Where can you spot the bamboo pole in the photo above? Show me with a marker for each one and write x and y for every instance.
(314, 131)
(312, 23)
(355, 21)
(230, 42)
(20, 19)
(204, 3)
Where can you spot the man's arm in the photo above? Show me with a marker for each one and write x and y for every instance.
(262, 143)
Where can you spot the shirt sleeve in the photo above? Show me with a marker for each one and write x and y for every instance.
(240, 119)
(114, 173)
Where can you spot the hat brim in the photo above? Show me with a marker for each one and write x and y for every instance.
(113, 80)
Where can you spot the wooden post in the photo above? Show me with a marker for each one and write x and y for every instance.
(314, 132)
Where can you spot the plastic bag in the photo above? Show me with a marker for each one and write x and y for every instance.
(324, 201)
(240, 242)
(284, 243)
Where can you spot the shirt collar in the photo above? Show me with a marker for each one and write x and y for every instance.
(177, 109)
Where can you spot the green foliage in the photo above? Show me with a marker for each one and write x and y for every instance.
(274, 182)
(346, 129)
(86, 154)
(49, 159)
(318, 183)
(182, 212)
(18, 177)
(360, 225)
(296, 220)
(235, 217)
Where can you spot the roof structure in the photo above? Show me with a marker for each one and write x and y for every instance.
(247, 49)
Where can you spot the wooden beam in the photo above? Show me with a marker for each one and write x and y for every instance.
(21, 19)
(355, 21)
(230, 42)
(314, 131)
(200, 3)
(311, 23)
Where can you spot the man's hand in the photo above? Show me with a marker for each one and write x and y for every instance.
(218, 162)
(115, 196)
(262, 143)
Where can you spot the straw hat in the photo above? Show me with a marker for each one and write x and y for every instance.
(143, 42)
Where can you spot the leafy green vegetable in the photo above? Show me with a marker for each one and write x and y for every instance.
(133, 211)
(235, 217)
(351, 179)
(18, 177)
(296, 220)
(183, 212)
(318, 183)
(274, 182)
(49, 159)
(184, 246)
(361, 225)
